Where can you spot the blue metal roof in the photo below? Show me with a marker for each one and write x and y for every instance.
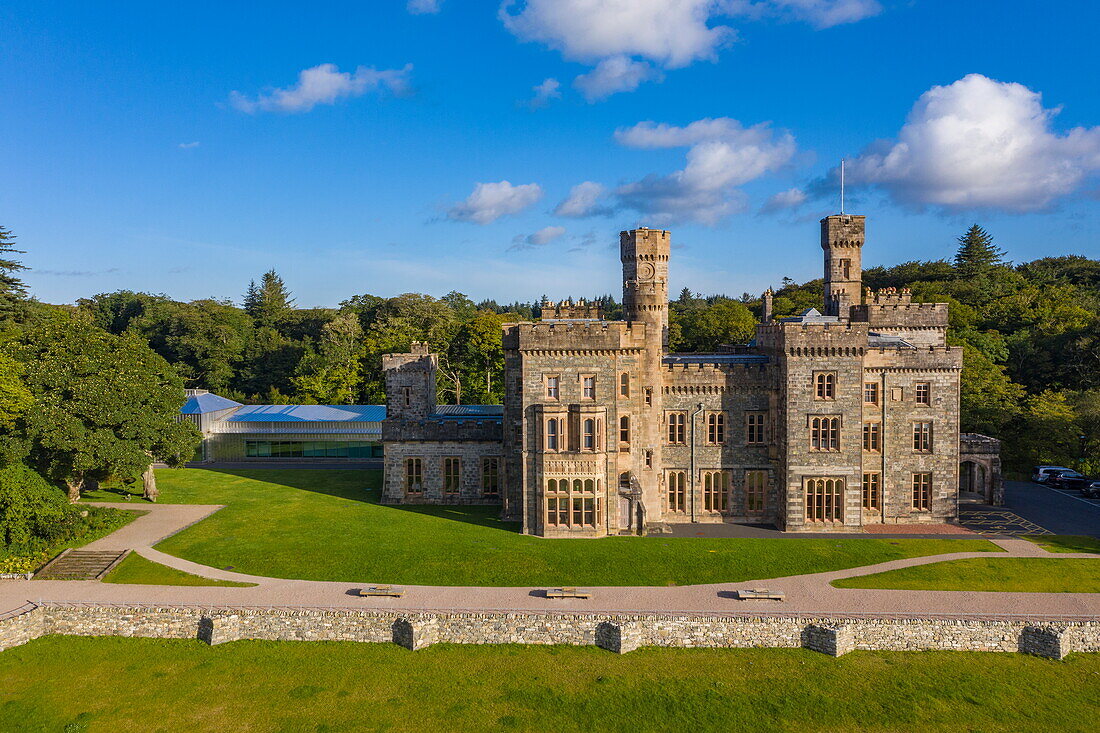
(309, 413)
(201, 404)
(469, 412)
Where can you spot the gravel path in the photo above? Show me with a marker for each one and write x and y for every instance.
(806, 594)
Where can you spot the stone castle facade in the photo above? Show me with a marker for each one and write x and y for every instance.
(824, 422)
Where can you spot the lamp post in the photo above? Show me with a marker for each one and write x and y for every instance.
(1082, 440)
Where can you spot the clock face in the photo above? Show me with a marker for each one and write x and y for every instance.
(646, 271)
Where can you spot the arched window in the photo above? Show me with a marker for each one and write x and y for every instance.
(552, 434)
(624, 429)
(588, 435)
(824, 500)
(716, 428)
(825, 385)
(624, 385)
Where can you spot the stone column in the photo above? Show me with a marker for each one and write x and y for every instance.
(618, 637)
(833, 640)
(219, 629)
(413, 633)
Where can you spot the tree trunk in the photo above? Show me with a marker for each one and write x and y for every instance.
(74, 485)
(149, 484)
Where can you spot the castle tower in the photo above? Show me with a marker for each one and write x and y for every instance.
(644, 254)
(410, 383)
(842, 237)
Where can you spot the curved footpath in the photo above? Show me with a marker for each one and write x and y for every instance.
(806, 595)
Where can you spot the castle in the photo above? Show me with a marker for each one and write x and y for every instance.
(826, 421)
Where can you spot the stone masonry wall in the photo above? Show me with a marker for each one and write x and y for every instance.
(618, 632)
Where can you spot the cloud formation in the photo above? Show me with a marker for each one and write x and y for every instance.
(188, 146)
(549, 89)
(818, 13)
(423, 7)
(543, 236)
(613, 75)
(792, 198)
(323, 84)
(980, 143)
(490, 201)
(584, 199)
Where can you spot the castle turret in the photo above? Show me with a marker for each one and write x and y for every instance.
(644, 254)
(768, 307)
(842, 237)
(410, 383)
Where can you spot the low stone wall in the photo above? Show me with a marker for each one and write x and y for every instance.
(619, 633)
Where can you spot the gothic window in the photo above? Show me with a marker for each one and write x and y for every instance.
(588, 387)
(624, 430)
(824, 385)
(922, 491)
(756, 487)
(552, 436)
(872, 493)
(490, 476)
(677, 491)
(716, 428)
(452, 475)
(825, 433)
(588, 434)
(624, 385)
(824, 499)
(922, 437)
(552, 387)
(870, 393)
(414, 476)
(872, 437)
(676, 422)
(754, 428)
(716, 491)
(924, 393)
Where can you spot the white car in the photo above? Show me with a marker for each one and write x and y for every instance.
(1041, 474)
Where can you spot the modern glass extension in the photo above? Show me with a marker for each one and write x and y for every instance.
(312, 449)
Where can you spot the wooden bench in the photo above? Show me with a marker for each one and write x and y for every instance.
(759, 594)
(388, 591)
(567, 593)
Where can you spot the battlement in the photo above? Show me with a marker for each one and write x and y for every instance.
(893, 309)
(843, 230)
(574, 336)
(567, 309)
(645, 244)
(924, 358)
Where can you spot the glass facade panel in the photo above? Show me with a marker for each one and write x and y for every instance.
(312, 449)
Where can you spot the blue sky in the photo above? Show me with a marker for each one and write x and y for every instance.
(176, 149)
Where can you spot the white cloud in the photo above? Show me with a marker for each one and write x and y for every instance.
(980, 143)
(422, 7)
(324, 84)
(583, 200)
(818, 13)
(792, 198)
(613, 75)
(544, 92)
(188, 146)
(546, 235)
(673, 33)
(723, 155)
(490, 201)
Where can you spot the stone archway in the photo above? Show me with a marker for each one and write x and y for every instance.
(980, 467)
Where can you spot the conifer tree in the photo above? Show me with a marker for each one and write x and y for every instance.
(977, 253)
(268, 302)
(12, 288)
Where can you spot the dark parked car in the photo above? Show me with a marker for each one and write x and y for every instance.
(1091, 489)
(1067, 478)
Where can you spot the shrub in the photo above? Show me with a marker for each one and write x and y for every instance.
(31, 510)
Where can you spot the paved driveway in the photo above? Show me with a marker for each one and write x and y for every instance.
(1059, 512)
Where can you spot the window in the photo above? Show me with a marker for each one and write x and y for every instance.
(872, 437)
(552, 387)
(922, 491)
(677, 491)
(406, 395)
(312, 449)
(924, 393)
(588, 387)
(846, 269)
(624, 429)
(922, 437)
(716, 491)
(824, 499)
(573, 503)
(452, 475)
(552, 427)
(648, 396)
(825, 385)
(754, 428)
(414, 476)
(490, 476)
(870, 393)
(824, 433)
(716, 428)
(872, 497)
(624, 385)
(676, 421)
(756, 487)
(649, 459)
(588, 434)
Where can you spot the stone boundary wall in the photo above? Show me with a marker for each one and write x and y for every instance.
(619, 633)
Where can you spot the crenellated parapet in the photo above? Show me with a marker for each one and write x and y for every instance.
(923, 359)
(891, 309)
(575, 337)
(838, 338)
(568, 309)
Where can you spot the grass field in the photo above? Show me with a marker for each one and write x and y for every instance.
(1020, 574)
(1066, 543)
(136, 570)
(328, 525)
(144, 685)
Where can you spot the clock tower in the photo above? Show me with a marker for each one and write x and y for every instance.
(644, 255)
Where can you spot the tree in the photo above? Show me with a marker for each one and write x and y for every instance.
(204, 338)
(15, 398)
(725, 322)
(270, 302)
(31, 509)
(333, 374)
(12, 289)
(105, 404)
(977, 254)
(478, 352)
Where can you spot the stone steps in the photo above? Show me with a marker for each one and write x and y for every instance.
(81, 565)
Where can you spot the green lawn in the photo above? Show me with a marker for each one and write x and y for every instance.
(1019, 574)
(1066, 543)
(328, 525)
(177, 685)
(136, 570)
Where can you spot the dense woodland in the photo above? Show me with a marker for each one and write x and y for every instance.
(1031, 334)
